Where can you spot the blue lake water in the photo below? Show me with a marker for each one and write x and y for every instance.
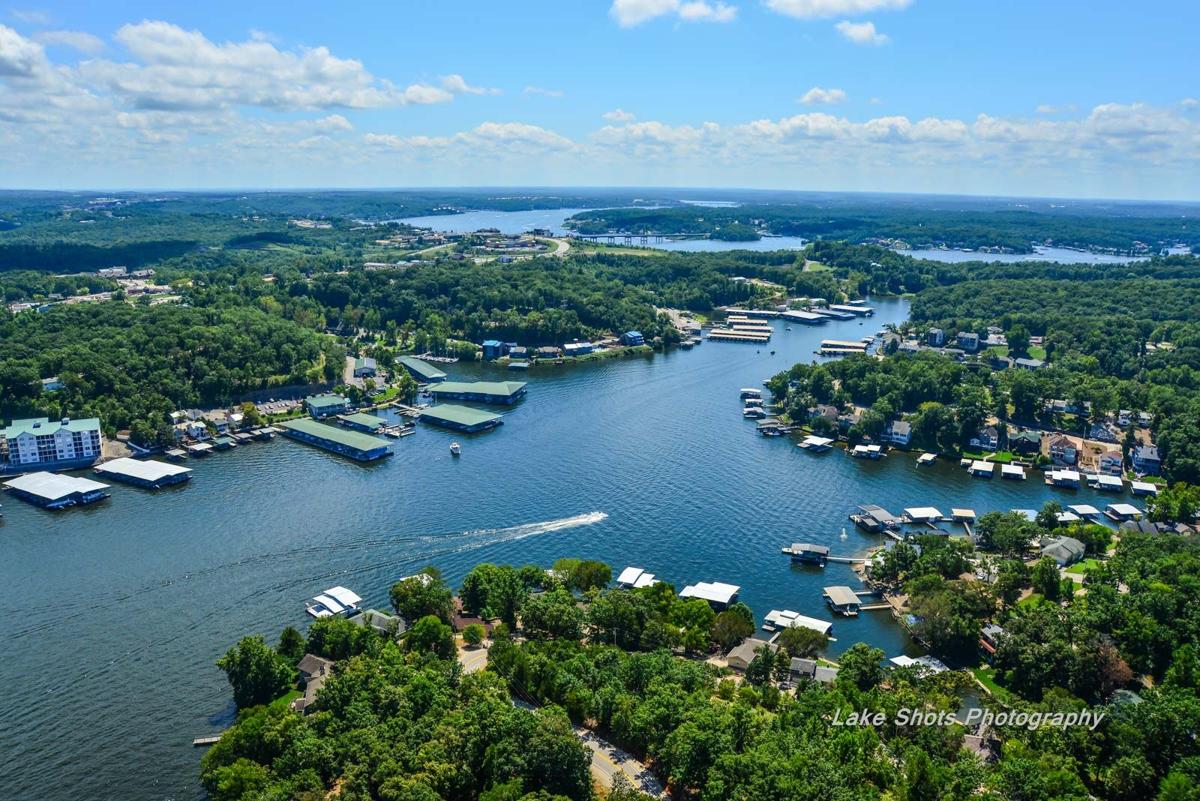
(516, 222)
(114, 614)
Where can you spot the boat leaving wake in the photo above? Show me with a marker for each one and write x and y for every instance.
(483, 537)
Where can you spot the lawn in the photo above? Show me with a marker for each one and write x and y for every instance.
(1036, 599)
(999, 457)
(1084, 567)
(987, 677)
(285, 700)
(1000, 351)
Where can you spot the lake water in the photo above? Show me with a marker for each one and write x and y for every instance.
(516, 222)
(114, 614)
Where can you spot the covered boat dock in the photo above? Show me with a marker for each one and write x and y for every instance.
(149, 474)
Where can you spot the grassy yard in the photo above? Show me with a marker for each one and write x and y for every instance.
(999, 457)
(1000, 351)
(987, 677)
(1084, 567)
(285, 700)
(1036, 599)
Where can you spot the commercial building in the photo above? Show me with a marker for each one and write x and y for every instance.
(149, 474)
(326, 405)
(38, 441)
(422, 371)
(365, 367)
(506, 392)
(460, 418)
(357, 446)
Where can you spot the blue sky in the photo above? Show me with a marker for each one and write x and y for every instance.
(1078, 99)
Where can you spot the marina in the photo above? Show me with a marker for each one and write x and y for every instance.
(353, 444)
(460, 418)
(56, 490)
(600, 460)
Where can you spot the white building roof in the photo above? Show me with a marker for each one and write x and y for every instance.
(1109, 481)
(929, 663)
(982, 467)
(644, 580)
(713, 592)
(786, 619)
(146, 471)
(329, 603)
(343, 596)
(923, 513)
(842, 596)
(1012, 470)
(1124, 509)
(629, 576)
(1084, 510)
(1068, 517)
(53, 486)
(962, 514)
(1144, 486)
(819, 442)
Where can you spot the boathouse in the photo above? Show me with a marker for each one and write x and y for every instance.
(55, 491)
(778, 619)
(842, 600)
(718, 594)
(634, 578)
(807, 553)
(422, 371)
(460, 418)
(149, 474)
(358, 446)
(362, 422)
(505, 392)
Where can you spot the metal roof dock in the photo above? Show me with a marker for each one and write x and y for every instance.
(460, 418)
(150, 474)
(360, 447)
(55, 491)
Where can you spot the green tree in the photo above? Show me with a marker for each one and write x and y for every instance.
(729, 628)
(431, 635)
(291, 645)
(473, 634)
(420, 595)
(257, 674)
(1046, 578)
(860, 667)
(802, 642)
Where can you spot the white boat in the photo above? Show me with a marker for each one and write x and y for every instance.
(455, 449)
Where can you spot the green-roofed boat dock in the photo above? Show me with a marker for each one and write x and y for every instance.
(506, 392)
(360, 421)
(358, 446)
(460, 418)
(421, 370)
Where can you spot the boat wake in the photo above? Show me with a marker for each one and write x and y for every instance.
(437, 545)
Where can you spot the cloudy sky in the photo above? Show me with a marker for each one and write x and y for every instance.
(1069, 98)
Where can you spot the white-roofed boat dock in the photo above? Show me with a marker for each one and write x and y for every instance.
(149, 473)
(56, 491)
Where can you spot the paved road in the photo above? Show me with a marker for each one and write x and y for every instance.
(608, 761)
(472, 660)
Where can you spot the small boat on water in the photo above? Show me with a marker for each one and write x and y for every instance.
(455, 449)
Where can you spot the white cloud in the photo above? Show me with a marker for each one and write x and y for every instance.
(85, 43)
(819, 96)
(179, 69)
(540, 90)
(808, 9)
(19, 57)
(861, 33)
(32, 16)
(619, 115)
(456, 84)
(629, 13)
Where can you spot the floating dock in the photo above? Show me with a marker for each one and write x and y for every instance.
(807, 553)
(855, 310)
(842, 346)
(842, 600)
(981, 469)
(816, 444)
(778, 619)
(149, 474)
(926, 459)
(866, 451)
(1012, 472)
(353, 444)
(718, 594)
(56, 491)
(423, 371)
(804, 318)
(499, 392)
(460, 418)
(730, 335)
(359, 421)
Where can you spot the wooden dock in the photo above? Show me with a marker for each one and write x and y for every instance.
(846, 560)
(200, 742)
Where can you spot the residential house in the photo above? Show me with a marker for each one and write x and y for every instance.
(968, 341)
(1064, 550)
(314, 670)
(493, 349)
(935, 337)
(1111, 463)
(388, 625)
(549, 352)
(218, 419)
(630, 338)
(898, 432)
(1025, 442)
(1028, 364)
(578, 348)
(742, 655)
(1146, 460)
(987, 439)
(1062, 450)
(1104, 431)
(849, 419)
(823, 411)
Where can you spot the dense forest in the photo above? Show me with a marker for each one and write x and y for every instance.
(399, 719)
(132, 365)
(1010, 230)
